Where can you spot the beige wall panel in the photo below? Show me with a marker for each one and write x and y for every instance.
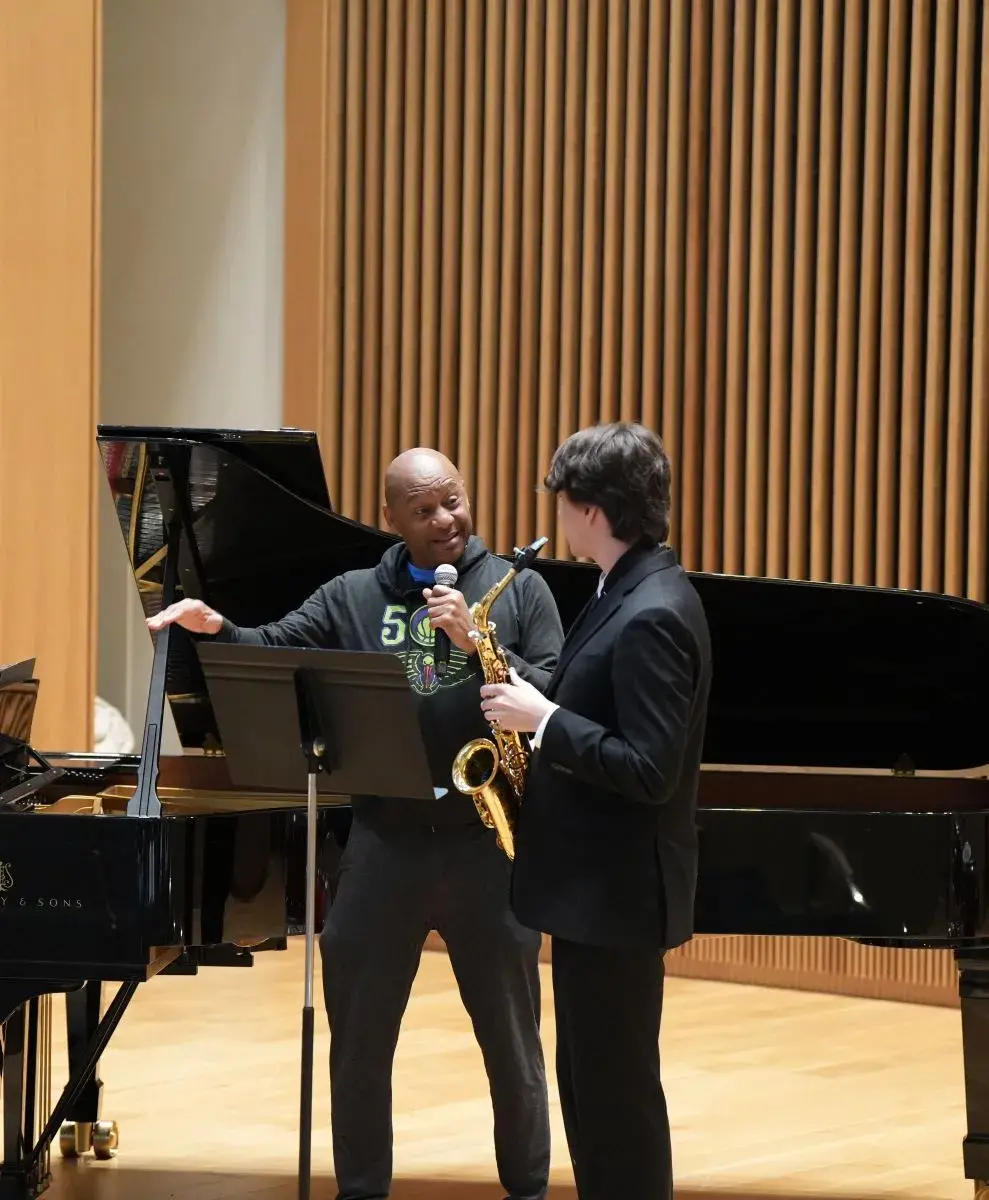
(49, 165)
(759, 226)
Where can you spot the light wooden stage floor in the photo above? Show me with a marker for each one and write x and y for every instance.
(772, 1094)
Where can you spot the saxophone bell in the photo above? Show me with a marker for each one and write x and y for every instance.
(476, 773)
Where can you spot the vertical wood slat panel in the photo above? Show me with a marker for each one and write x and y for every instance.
(736, 365)
(526, 454)
(846, 351)
(430, 312)
(492, 192)
(677, 115)
(870, 310)
(415, 34)
(373, 207)
(781, 300)
(753, 225)
(503, 450)
(914, 284)
(963, 244)
(551, 259)
(391, 286)
(825, 303)
(759, 291)
(654, 240)
(695, 268)
(307, 212)
(592, 257)
(716, 334)
(613, 234)
(471, 226)
(567, 401)
(334, 202)
(936, 381)
(805, 254)
(891, 297)
(978, 498)
(353, 260)
(450, 268)
(629, 405)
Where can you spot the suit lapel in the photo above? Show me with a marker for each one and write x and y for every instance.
(585, 625)
(589, 622)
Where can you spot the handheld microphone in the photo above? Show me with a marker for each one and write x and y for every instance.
(444, 576)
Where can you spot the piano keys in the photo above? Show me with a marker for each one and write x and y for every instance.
(844, 791)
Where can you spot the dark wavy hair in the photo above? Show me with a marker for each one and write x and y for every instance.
(624, 470)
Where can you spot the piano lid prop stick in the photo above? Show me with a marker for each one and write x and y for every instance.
(145, 801)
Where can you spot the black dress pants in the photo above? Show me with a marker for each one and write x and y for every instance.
(393, 887)
(608, 1009)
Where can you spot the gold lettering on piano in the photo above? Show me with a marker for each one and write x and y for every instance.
(14, 903)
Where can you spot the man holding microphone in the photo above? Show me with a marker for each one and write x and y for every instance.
(411, 865)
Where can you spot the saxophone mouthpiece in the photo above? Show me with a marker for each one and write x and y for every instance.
(524, 558)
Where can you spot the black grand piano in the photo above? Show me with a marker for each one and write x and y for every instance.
(844, 792)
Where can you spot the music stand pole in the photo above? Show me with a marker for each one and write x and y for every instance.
(271, 700)
(314, 748)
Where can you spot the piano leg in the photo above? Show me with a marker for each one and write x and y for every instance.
(83, 1129)
(25, 1007)
(26, 1036)
(973, 989)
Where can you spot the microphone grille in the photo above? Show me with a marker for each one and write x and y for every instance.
(446, 575)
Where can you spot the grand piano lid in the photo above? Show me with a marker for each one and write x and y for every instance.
(264, 535)
(829, 675)
(805, 674)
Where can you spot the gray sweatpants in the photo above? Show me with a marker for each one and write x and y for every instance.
(393, 887)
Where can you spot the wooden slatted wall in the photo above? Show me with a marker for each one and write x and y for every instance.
(759, 226)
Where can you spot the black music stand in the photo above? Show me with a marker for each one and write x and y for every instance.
(18, 698)
(354, 717)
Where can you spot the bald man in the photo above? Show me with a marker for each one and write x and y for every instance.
(410, 865)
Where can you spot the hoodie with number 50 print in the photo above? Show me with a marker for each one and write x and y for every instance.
(383, 609)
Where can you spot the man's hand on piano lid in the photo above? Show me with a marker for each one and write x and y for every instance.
(193, 615)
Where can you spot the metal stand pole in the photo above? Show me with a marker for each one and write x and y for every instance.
(305, 1115)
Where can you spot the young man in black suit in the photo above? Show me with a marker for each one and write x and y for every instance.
(606, 853)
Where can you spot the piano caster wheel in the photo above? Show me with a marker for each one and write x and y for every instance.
(75, 1138)
(105, 1139)
(78, 1137)
(982, 1189)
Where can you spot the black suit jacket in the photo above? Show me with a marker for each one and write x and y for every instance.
(606, 852)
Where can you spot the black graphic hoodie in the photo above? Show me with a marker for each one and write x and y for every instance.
(383, 609)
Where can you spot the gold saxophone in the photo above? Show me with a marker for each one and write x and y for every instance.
(493, 773)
